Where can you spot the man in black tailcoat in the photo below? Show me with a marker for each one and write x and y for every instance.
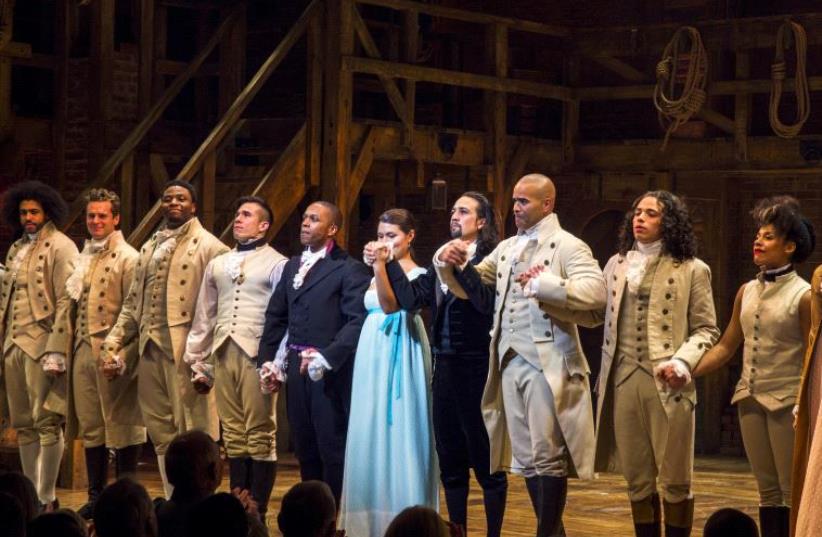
(318, 307)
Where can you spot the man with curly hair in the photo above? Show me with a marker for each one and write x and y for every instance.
(157, 313)
(103, 413)
(32, 296)
(659, 317)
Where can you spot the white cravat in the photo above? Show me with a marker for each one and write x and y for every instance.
(638, 262)
(27, 245)
(166, 242)
(308, 260)
(74, 283)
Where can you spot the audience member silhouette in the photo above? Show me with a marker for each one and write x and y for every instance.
(308, 510)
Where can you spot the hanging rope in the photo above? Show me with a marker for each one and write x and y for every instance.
(778, 73)
(674, 111)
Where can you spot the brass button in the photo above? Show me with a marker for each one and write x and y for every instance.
(664, 312)
(670, 280)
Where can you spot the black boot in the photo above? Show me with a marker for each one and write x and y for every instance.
(125, 461)
(239, 473)
(262, 481)
(494, 510)
(679, 517)
(774, 521)
(647, 517)
(97, 470)
(548, 495)
(456, 499)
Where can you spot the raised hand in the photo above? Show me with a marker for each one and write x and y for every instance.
(529, 274)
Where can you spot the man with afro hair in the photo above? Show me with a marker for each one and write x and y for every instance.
(32, 296)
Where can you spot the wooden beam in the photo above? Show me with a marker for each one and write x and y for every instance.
(231, 68)
(364, 160)
(472, 16)
(233, 114)
(160, 47)
(136, 136)
(392, 91)
(570, 112)
(455, 78)
(174, 68)
(734, 34)
(127, 194)
(623, 69)
(496, 105)
(742, 107)
(101, 75)
(715, 118)
(336, 162)
(284, 182)
(723, 87)
(516, 169)
(314, 100)
(16, 50)
(146, 225)
(62, 48)
(145, 57)
(410, 45)
(209, 189)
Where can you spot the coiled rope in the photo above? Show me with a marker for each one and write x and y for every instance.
(778, 73)
(674, 111)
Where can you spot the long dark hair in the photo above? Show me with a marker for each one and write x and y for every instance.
(783, 213)
(678, 239)
(53, 205)
(489, 234)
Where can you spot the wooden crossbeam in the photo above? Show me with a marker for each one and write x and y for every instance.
(16, 50)
(472, 16)
(392, 91)
(456, 78)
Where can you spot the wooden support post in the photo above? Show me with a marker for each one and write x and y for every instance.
(742, 108)
(336, 158)
(102, 72)
(127, 194)
(62, 48)
(160, 46)
(496, 107)
(570, 113)
(146, 58)
(411, 29)
(314, 100)
(232, 73)
(209, 190)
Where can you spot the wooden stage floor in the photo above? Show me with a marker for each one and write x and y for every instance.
(595, 508)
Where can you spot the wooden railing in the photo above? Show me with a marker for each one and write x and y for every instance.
(123, 157)
(204, 159)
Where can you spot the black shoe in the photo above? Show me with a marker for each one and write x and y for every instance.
(239, 473)
(456, 499)
(494, 510)
(125, 461)
(548, 495)
(263, 474)
(774, 521)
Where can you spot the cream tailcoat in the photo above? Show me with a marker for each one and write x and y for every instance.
(570, 291)
(681, 323)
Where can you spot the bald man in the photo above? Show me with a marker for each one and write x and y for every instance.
(319, 301)
(537, 400)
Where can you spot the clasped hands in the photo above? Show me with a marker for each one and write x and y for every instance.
(376, 252)
(455, 253)
(673, 373)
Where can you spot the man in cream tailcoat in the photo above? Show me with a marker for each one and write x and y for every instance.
(223, 345)
(158, 311)
(33, 297)
(104, 414)
(537, 401)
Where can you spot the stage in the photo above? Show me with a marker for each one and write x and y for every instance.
(595, 508)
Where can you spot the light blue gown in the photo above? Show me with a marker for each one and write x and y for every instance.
(390, 460)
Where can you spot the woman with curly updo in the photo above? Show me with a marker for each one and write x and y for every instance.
(659, 317)
(771, 316)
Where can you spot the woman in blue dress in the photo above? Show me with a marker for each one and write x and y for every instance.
(390, 460)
